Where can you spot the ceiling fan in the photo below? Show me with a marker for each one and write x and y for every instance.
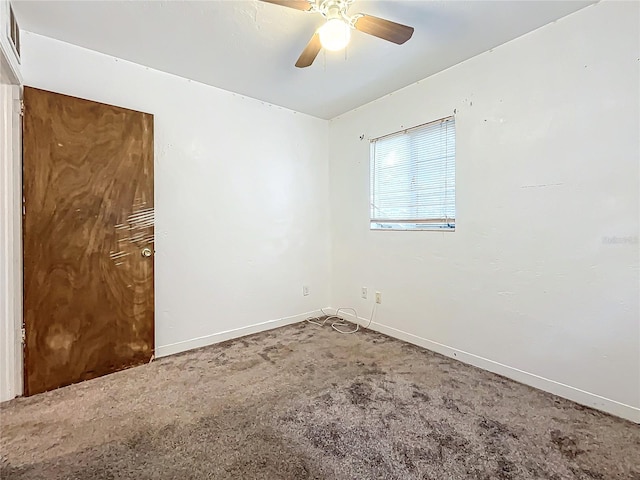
(336, 32)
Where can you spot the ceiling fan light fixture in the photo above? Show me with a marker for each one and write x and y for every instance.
(335, 34)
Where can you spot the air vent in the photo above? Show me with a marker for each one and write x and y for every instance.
(14, 32)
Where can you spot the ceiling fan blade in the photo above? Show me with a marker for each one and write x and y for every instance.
(310, 52)
(385, 29)
(297, 4)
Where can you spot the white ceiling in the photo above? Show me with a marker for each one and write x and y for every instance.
(250, 47)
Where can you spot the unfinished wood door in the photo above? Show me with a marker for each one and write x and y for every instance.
(88, 224)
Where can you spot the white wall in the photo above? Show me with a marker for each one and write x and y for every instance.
(241, 195)
(10, 233)
(530, 285)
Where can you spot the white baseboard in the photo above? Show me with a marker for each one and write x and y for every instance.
(575, 394)
(178, 347)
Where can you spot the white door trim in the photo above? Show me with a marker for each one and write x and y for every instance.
(11, 369)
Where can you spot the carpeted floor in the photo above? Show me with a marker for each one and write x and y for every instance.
(306, 402)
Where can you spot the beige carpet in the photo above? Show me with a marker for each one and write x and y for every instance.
(306, 402)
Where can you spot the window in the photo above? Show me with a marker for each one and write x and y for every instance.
(413, 178)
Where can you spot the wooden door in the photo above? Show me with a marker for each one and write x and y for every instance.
(88, 222)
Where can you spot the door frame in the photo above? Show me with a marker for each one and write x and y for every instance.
(11, 358)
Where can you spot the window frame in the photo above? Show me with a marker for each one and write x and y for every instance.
(439, 225)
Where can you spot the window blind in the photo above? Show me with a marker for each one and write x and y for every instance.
(413, 179)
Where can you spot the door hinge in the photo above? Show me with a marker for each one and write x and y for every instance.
(21, 108)
(23, 332)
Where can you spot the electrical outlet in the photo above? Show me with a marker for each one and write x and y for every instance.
(378, 297)
(305, 290)
(363, 293)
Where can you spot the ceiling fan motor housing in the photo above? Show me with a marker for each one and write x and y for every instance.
(331, 9)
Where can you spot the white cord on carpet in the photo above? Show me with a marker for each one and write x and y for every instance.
(340, 322)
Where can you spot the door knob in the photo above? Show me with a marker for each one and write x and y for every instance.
(146, 252)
